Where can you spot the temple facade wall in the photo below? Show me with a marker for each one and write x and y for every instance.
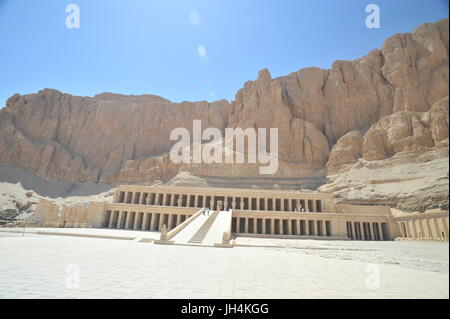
(257, 213)
(429, 225)
(244, 199)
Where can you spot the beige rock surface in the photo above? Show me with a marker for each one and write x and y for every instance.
(408, 182)
(408, 132)
(390, 103)
(348, 149)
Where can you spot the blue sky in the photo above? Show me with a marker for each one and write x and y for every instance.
(186, 49)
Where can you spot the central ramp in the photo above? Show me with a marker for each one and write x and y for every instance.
(187, 233)
(221, 224)
(203, 230)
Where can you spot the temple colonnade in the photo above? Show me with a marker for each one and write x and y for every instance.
(135, 220)
(208, 199)
(431, 227)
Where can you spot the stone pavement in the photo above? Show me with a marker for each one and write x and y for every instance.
(37, 266)
(6, 232)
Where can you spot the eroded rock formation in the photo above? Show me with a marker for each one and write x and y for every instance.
(393, 101)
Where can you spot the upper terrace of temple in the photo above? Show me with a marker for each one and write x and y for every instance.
(232, 198)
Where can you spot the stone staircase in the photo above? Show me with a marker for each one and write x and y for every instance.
(203, 230)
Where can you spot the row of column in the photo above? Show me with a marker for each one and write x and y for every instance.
(367, 231)
(229, 202)
(143, 221)
(275, 226)
(425, 229)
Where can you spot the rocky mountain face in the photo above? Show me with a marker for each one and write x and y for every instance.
(390, 106)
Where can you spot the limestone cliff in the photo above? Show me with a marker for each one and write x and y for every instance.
(391, 102)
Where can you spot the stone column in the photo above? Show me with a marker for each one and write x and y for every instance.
(282, 204)
(375, 234)
(445, 227)
(152, 226)
(272, 226)
(422, 232)
(414, 229)
(363, 231)
(352, 225)
(238, 225)
(127, 220)
(289, 226)
(144, 221)
(233, 203)
(314, 208)
(429, 232)
(172, 199)
(131, 221)
(437, 229)
(246, 225)
(119, 220)
(196, 201)
(164, 199)
(408, 230)
(161, 221)
(290, 205)
(169, 222)
(257, 203)
(380, 231)
(401, 225)
(266, 203)
(179, 201)
(211, 202)
(111, 219)
(136, 220)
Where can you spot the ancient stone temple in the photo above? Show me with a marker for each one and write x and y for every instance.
(245, 212)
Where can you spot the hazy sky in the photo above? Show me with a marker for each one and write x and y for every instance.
(186, 49)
